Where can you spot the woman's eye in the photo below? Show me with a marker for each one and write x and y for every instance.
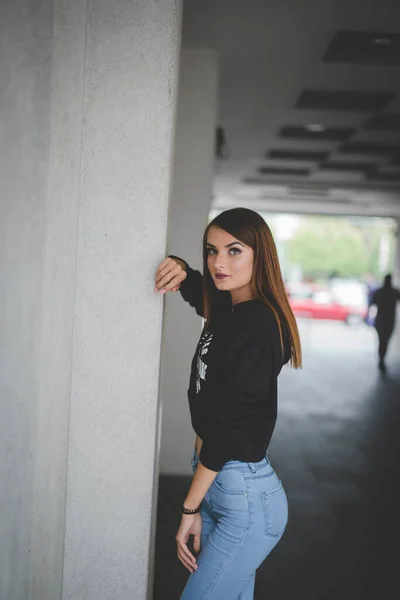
(232, 251)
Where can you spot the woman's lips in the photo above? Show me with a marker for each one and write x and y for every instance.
(221, 276)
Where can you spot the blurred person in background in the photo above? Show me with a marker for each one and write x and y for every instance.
(385, 299)
(371, 286)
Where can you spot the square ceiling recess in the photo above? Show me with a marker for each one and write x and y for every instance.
(364, 48)
(355, 167)
(384, 123)
(283, 171)
(384, 176)
(316, 132)
(392, 150)
(298, 155)
(349, 100)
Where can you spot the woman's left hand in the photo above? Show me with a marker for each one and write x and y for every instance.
(190, 525)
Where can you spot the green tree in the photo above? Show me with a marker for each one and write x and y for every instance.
(326, 245)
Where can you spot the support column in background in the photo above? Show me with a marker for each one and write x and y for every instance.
(396, 274)
(194, 162)
(396, 283)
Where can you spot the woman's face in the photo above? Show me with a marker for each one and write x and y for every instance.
(230, 257)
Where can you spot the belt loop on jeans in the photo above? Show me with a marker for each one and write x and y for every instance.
(252, 467)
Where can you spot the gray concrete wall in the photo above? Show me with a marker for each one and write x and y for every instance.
(85, 183)
(58, 299)
(192, 181)
(25, 68)
(126, 145)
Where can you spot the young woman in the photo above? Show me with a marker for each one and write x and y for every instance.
(236, 507)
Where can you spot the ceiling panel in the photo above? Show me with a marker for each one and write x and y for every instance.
(365, 48)
(383, 123)
(353, 167)
(344, 100)
(370, 148)
(384, 176)
(316, 132)
(283, 171)
(306, 155)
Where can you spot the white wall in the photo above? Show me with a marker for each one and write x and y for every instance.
(190, 203)
(87, 111)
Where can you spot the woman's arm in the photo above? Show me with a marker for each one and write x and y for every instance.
(192, 524)
(201, 481)
(191, 288)
(198, 445)
(174, 274)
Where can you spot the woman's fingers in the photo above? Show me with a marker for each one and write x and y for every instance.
(169, 282)
(186, 557)
(186, 563)
(168, 265)
(167, 272)
(175, 282)
(196, 543)
(183, 547)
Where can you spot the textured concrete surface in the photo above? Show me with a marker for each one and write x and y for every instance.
(25, 69)
(59, 276)
(88, 96)
(126, 149)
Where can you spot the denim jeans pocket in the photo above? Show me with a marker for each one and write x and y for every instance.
(230, 482)
(275, 508)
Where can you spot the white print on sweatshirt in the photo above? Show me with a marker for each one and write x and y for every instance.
(204, 344)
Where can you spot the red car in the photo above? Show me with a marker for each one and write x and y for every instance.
(320, 304)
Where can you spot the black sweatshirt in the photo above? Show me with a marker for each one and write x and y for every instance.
(233, 381)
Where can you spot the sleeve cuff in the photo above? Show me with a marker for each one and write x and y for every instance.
(179, 258)
(187, 283)
(189, 271)
(212, 456)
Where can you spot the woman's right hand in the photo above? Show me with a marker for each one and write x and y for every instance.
(170, 274)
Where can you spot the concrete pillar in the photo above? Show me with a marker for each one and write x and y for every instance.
(396, 283)
(87, 111)
(396, 274)
(25, 73)
(190, 203)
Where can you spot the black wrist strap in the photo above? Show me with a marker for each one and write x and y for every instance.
(190, 511)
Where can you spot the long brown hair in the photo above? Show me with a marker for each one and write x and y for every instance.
(266, 284)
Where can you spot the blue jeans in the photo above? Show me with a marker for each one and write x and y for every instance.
(244, 515)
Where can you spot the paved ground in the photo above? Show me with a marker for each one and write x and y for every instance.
(337, 449)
